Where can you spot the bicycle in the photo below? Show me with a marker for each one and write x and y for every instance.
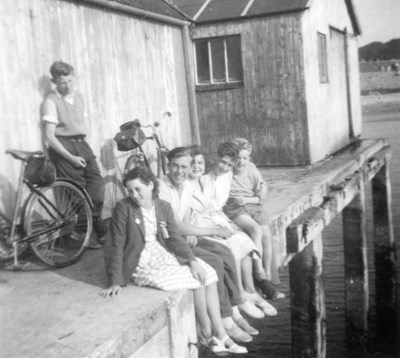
(56, 219)
(132, 137)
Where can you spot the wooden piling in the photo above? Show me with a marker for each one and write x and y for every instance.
(385, 265)
(308, 302)
(356, 274)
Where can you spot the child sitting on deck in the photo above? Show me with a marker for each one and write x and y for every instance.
(244, 206)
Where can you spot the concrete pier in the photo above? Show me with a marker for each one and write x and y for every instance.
(58, 313)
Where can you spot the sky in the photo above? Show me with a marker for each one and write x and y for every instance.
(379, 20)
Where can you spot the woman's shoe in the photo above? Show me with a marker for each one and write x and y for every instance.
(266, 307)
(269, 290)
(251, 310)
(238, 335)
(221, 346)
(245, 326)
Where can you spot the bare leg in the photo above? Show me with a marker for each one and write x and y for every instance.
(267, 251)
(250, 227)
(200, 306)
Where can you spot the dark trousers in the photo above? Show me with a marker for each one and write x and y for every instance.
(221, 259)
(88, 177)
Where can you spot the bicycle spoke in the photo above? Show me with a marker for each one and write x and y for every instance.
(63, 214)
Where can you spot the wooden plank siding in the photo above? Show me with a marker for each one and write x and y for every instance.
(270, 109)
(127, 67)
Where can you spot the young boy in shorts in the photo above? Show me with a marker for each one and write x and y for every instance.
(244, 206)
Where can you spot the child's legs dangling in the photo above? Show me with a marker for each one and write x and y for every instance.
(267, 251)
(254, 230)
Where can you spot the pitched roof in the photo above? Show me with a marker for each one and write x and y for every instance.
(202, 11)
(162, 7)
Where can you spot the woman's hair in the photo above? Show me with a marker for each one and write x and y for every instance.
(145, 175)
(243, 144)
(228, 149)
(60, 68)
(178, 152)
(196, 150)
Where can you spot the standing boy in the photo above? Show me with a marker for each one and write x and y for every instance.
(65, 128)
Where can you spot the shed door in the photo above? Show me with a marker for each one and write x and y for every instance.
(338, 89)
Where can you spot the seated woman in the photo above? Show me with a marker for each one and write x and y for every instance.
(205, 213)
(143, 245)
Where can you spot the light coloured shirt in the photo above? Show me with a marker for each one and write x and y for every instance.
(179, 199)
(49, 109)
(247, 183)
(216, 188)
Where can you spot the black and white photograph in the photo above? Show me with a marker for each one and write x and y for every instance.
(199, 178)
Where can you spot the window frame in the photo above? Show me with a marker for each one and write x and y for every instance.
(322, 47)
(217, 85)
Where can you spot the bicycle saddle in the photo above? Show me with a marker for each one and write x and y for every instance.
(23, 155)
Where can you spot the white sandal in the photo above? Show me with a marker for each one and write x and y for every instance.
(218, 346)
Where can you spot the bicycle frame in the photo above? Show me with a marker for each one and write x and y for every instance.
(44, 202)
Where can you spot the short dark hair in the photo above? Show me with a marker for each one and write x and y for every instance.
(60, 68)
(178, 152)
(195, 150)
(145, 175)
(228, 149)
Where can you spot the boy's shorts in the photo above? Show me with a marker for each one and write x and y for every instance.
(255, 211)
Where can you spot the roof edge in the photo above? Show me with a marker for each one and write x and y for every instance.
(353, 17)
(247, 17)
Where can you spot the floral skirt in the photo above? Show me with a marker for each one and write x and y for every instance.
(160, 269)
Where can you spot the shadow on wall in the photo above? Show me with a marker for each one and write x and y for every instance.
(44, 87)
(7, 196)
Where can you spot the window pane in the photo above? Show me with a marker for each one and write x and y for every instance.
(322, 58)
(203, 69)
(218, 60)
(234, 59)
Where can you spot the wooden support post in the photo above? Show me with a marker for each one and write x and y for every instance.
(356, 274)
(308, 302)
(385, 264)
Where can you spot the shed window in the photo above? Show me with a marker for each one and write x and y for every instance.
(322, 58)
(218, 62)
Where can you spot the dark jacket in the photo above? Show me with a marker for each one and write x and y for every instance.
(125, 239)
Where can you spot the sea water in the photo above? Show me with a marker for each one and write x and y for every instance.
(275, 338)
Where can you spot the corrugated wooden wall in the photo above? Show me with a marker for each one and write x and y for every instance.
(127, 68)
(270, 109)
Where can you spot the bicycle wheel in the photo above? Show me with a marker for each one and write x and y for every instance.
(61, 217)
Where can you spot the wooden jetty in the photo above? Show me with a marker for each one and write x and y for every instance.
(303, 201)
(58, 313)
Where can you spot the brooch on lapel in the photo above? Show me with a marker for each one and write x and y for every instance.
(137, 221)
(164, 231)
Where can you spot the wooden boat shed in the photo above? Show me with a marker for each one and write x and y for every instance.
(282, 73)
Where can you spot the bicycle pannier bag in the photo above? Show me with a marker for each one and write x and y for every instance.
(40, 171)
(130, 136)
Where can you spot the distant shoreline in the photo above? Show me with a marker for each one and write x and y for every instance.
(378, 103)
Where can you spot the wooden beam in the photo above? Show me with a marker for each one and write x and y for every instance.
(308, 302)
(312, 221)
(191, 83)
(385, 264)
(356, 274)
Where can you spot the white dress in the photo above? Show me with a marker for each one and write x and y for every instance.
(204, 213)
(159, 268)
